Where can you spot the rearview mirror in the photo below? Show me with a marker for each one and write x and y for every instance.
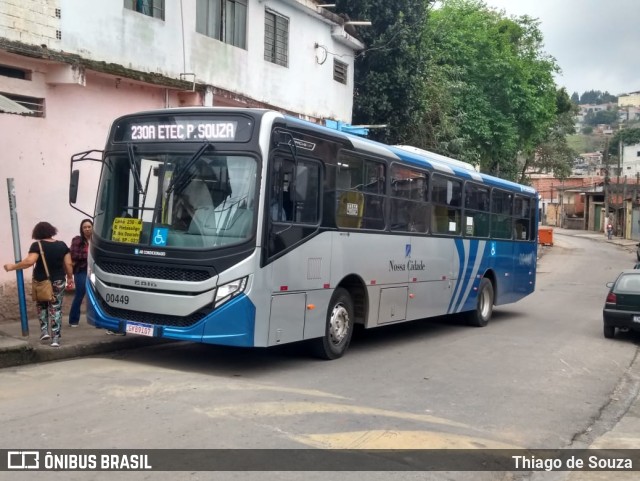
(73, 186)
(609, 284)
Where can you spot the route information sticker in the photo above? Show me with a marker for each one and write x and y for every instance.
(126, 230)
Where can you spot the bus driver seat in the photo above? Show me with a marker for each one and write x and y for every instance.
(202, 219)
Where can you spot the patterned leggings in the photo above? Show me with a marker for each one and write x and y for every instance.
(50, 313)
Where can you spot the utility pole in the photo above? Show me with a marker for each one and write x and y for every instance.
(620, 163)
(605, 187)
(13, 214)
(561, 206)
(624, 208)
(620, 153)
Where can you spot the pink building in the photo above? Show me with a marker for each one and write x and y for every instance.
(68, 68)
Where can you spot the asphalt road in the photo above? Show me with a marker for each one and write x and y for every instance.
(539, 376)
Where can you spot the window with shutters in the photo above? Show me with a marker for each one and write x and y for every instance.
(276, 38)
(340, 70)
(21, 105)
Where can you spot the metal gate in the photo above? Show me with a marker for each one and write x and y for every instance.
(597, 217)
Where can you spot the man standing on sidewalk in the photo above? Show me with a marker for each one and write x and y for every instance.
(607, 222)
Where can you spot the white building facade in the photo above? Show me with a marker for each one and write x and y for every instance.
(630, 161)
(68, 68)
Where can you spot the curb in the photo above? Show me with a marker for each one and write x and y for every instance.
(14, 352)
(17, 352)
(70, 352)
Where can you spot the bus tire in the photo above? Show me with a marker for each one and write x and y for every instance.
(338, 329)
(484, 305)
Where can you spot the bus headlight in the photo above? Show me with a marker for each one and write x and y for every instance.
(91, 275)
(228, 291)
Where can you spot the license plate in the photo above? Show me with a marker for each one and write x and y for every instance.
(140, 329)
(636, 318)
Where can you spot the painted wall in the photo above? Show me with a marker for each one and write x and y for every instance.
(631, 161)
(36, 151)
(80, 105)
(107, 31)
(31, 21)
(632, 99)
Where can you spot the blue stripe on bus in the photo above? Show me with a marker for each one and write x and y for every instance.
(460, 249)
(466, 250)
(471, 255)
(233, 324)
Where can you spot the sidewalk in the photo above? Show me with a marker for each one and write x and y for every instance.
(613, 433)
(597, 236)
(84, 340)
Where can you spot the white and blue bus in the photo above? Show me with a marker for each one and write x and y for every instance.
(246, 227)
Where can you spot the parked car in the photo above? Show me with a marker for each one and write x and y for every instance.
(622, 305)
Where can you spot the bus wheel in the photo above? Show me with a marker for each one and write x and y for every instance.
(338, 329)
(484, 305)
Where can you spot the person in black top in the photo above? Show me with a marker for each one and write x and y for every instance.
(59, 263)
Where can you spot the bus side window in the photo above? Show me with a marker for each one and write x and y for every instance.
(446, 196)
(521, 213)
(440, 224)
(306, 201)
(365, 177)
(409, 209)
(501, 214)
(280, 205)
(477, 208)
(350, 209)
(276, 209)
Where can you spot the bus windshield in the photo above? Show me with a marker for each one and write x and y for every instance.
(185, 200)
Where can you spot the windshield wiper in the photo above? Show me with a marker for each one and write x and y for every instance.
(134, 169)
(181, 177)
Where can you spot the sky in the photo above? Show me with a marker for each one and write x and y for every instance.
(596, 43)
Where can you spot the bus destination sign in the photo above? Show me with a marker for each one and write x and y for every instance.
(179, 129)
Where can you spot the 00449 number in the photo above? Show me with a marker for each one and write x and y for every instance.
(117, 299)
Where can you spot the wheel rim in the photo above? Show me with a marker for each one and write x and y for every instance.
(484, 304)
(338, 324)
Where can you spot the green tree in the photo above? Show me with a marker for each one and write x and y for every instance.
(496, 90)
(596, 97)
(607, 117)
(627, 136)
(390, 72)
(554, 154)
